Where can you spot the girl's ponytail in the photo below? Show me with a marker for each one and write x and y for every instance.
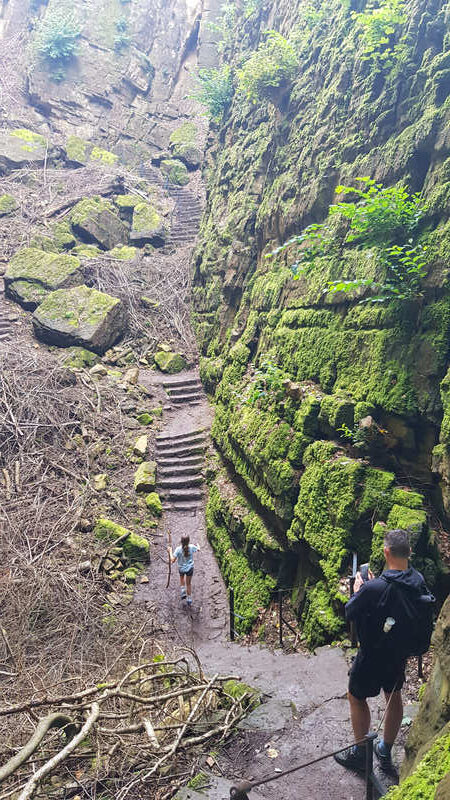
(185, 546)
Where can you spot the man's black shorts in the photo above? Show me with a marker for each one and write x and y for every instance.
(369, 674)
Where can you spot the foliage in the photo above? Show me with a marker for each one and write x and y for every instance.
(403, 267)
(224, 26)
(314, 241)
(121, 40)
(57, 37)
(377, 24)
(274, 63)
(267, 383)
(215, 90)
(382, 214)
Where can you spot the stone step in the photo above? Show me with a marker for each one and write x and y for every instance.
(178, 382)
(180, 483)
(168, 445)
(181, 469)
(195, 397)
(193, 461)
(183, 450)
(183, 495)
(176, 390)
(175, 437)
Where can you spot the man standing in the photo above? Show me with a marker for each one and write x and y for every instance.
(383, 619)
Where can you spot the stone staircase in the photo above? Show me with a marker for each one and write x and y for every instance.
(184, 392)
(180, 461)
(187, 213)
(7, 318)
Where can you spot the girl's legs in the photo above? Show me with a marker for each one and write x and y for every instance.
(183, 588)
(188, 584)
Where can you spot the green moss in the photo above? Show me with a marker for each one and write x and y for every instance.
(145, 418)
(412, 520)
(130, 574)
(145, 477)
(377, 559)
(237, 689)
(76, 149)
(175, 171)
(337, 412)
(87, 251)
(185, 134)
(77, 306)
(48, 269)
(34, 140)
(423, 782)
(252, 589)
(405, 497)
(123, 253)
(63, 236)
(135, 547)
(104, 156)
(127, 202)
(170, 363)
(377, 493)
(320, 622)
(7, 204)
(88, 207)
(307, 416)
(145, 218)
(79, 357)
(211, 371)
(153, 503)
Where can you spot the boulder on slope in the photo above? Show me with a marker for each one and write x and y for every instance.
(96, 221)
(32, 274)
(80, 316)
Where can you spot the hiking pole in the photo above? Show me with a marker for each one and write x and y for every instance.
(169, 546)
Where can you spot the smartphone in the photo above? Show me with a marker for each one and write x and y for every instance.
(364, 570)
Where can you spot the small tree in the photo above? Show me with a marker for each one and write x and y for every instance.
(274, 63)
(215, 90)
(57, 38)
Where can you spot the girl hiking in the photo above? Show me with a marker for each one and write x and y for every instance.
(184, 555)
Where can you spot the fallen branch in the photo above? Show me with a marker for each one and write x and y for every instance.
(50, 765)
(51, 721)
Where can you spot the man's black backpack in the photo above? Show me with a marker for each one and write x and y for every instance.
(410, 635)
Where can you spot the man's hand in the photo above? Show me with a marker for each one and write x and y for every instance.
(359, 581)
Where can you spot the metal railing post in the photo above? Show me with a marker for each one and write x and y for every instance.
(369, 739)
(280, 615)
(231, 613)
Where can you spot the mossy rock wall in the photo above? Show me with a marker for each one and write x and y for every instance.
(321, 453)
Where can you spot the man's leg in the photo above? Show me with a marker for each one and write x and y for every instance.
(360, 717)
(393, 718)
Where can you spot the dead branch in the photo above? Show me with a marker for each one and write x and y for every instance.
(56, 720)
(34, 781)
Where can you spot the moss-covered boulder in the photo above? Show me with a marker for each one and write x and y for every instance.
(20, 148)
(96, 221)
(123, 253)
(7, 204)
(140, 446)
(153, 503)
(184, 145)
(32, 274)
(148, 226)
(135, 547)
(431, 777)
(87, 251)
(79, 357)
(80, 316)
(145, 477)
(169, 362)
(175, 171)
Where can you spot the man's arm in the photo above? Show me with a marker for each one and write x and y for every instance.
(358, 603)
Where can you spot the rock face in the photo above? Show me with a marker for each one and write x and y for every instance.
(33, 273)
(80, 316)
(323, 402)
(434, 713)
(95, 220)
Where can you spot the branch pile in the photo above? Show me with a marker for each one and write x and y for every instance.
(144, 731)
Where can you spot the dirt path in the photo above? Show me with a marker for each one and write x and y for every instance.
(186, 431)
(305, 713)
